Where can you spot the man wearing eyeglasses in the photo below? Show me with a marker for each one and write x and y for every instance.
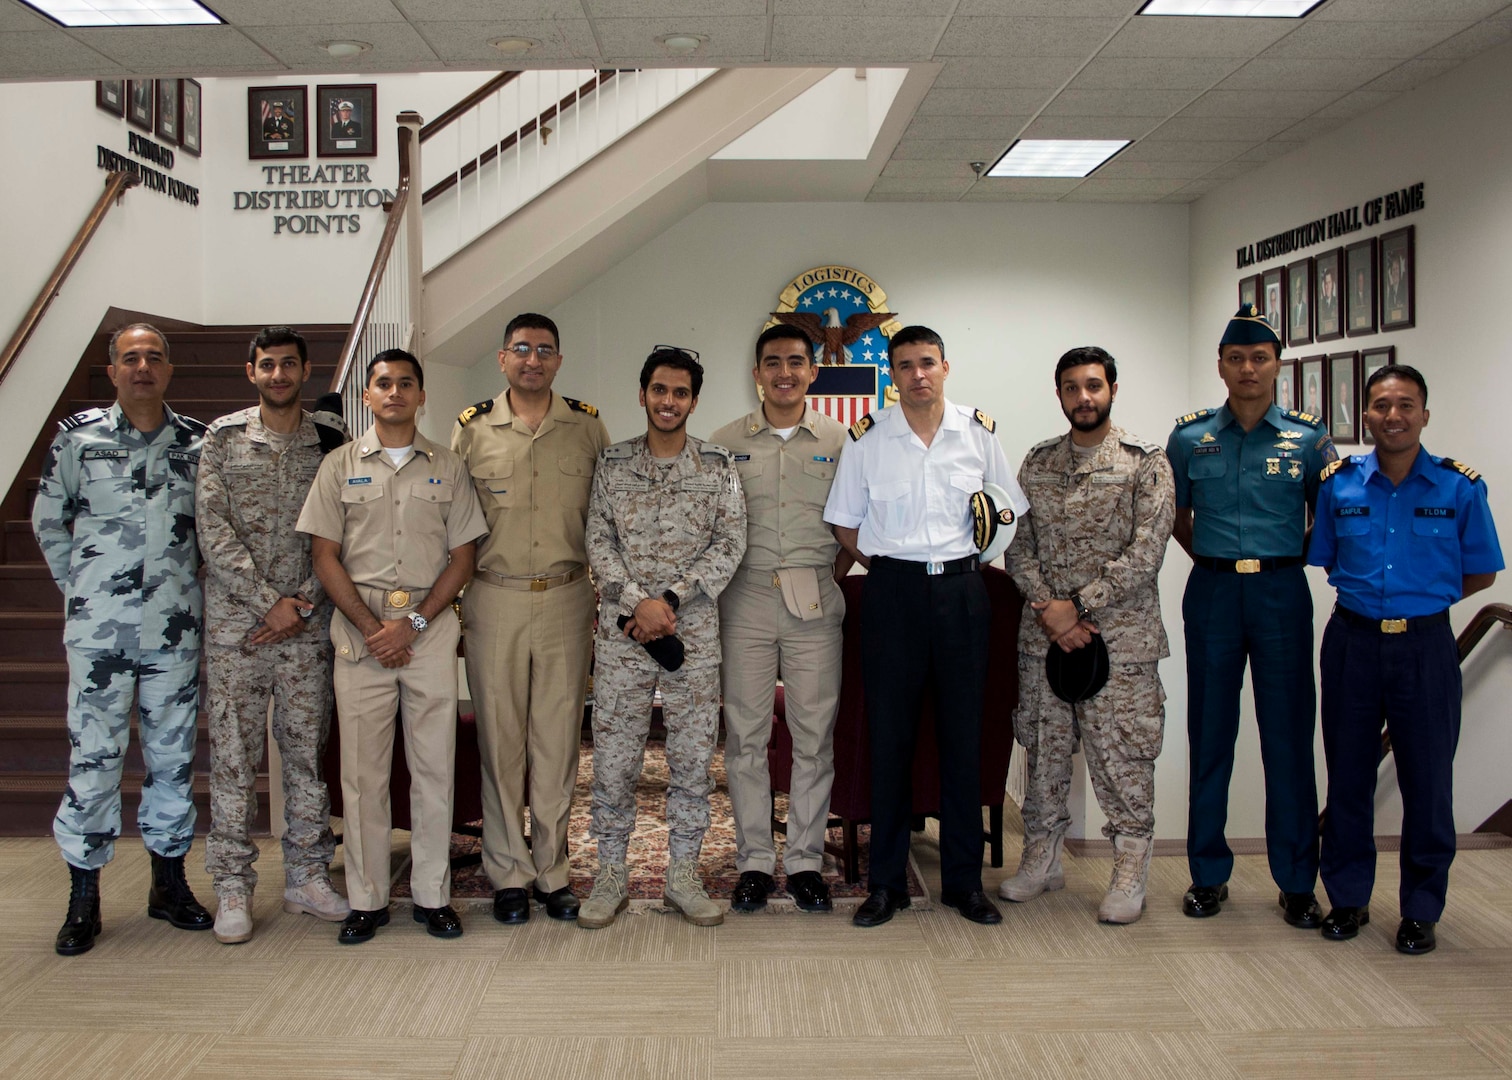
(529, 613)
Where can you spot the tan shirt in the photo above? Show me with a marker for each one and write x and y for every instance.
(786, 483)
(533, 485)
(396, 527)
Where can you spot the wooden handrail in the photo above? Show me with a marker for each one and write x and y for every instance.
(395, 212)
(514, 137)
(116, 184)
(1481, 625)
(500, 81)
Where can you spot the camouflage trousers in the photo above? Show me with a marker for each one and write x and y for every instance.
(1121, 730)
(296, 675)
(624, 680)
(102, 684)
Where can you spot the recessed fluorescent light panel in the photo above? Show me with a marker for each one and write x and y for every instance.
(1056, 157)
(1232, 9)
(126, 12)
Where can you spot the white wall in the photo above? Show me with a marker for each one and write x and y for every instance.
(1450, 134)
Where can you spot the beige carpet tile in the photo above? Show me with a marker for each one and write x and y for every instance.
(263, 1058)
(566, 1058)
(841, 998)
(639, 936)
(784, 934)
(1357, 1055)
(556, 999)
(945, 1058)
(987, 996)
(404, 939)
(85, 993)
(1452, 987)
(323, 997)
(1248, 921)
(1487, 870)
(1053, 926)
(276, 935)
(1473, 919)
(51, 1055)
(1328, 987)
(1127, 1055)
(1493, 1040)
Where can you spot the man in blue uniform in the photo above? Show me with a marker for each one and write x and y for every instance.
(1404, 535)
(1246, 481)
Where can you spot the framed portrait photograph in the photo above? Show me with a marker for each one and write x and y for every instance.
(1371, 361)
(191, 97)
(1299, 291)
(1273, 288)
(167, 126)
(110, 95)
(278, 122)
(1343, 397)
(1360, 288)
(1398, 293)
(346, 120)
(1286, 386)
(1328, 309)
(1312, 386)
(1249, 291)
(140, 96)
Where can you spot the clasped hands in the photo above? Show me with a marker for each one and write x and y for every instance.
(1059, 621)
(653, 618)
(282, 621)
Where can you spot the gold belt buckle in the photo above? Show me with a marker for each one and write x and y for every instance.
(538, 584)
(1393, 626)
(399, 598)
(1246, 566)
(776, 580)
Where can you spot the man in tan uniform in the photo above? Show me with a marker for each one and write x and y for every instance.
(781, 614)
(393, 522)
(529, 613)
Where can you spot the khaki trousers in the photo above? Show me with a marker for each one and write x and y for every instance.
(527, 668)
(761, 638)
(370, 699)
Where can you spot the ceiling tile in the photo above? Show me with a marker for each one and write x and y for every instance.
(1361, 101)
(1477, 39)
(808, 38)
(1280, 73)
(991, 72)
(743, 37)
(1157, 73)
(1206, 150)
(1025, 185)
(1261, 104)
(1311, 128)
(1406, 10)
(1183, 37)
(645, 9)
(1024, 37)
(1001, 128)
(298, 12)
(1091, 127)
(988, 150)
(1103, 195)
(1118, 102)
(916, 169)
(1411, 75)
(960, 102)
(908, 196)
(1145, 185)
(981, 193)
(1219, 127)
(561, 39)
(16, 17)
(1229, 170)
(300, 46)
(47, 53)
(1192, 192)
(1050, 8)
(938, 185)
(482, 10)
(866, 8)
(171, 50)
(1271, 149)
(1326, 40)
(1177, 170)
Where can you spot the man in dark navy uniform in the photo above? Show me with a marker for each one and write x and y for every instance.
(1245, 486)
(1404, 535)
(278, 125)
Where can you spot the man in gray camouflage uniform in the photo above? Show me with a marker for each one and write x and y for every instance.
(1087, 560)
(115, 519)
(268, 625)
(666, 530)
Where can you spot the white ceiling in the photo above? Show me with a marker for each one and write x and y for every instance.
(1204, 99)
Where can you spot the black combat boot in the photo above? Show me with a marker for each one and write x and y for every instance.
(170, 897)
(79, 930)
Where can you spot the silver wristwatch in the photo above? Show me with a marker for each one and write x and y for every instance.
(418, 621)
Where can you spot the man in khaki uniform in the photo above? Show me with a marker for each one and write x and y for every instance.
(529, 613)
(393, 522)
(781, 615)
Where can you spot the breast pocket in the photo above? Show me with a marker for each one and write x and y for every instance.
(107, 486)
(576, 480)
(818, 477)
(1434, 529)
(360, 502)
(890, 503)
(494, 481)
(1353, 525)
(1212, 486)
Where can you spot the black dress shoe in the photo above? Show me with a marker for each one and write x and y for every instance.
(1344, 923)
(560, 903)
(439, 922)
(511, 905)
(973, 905)
(751, 891)
(360, 926)
(1302, 910)
(809, 892)
(1201, 901)
(1415, 937)
(880, 906)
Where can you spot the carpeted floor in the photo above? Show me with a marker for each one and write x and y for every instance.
(648, 847)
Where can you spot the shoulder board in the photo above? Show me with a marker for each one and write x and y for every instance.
(79, 419)
(620, 451)
(716, 450)
(1306, 418)
(474, 410)
(1335, 465)
(1193, 417)
(1460, 467)
(236, 419)
(1046, 444)
(198, 427)
(1139, 444)
(986, 421)
(578, 406)
(862, 426)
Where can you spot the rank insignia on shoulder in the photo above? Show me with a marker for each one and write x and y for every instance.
(467, 414)
(1306, 418)
(79, 419)
(617, 452)
(1460, 467)
(986, 421)
(1183, 421)
(580, 406)
(1332, 467)
(716, 450)
(862, 426)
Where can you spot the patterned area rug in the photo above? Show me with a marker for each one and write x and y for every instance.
(648, 847)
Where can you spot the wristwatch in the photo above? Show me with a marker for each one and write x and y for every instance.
(299, 606)
(1081, 607)
(418, 621)
(672, 599)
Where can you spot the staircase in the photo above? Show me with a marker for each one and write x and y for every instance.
(209, 380)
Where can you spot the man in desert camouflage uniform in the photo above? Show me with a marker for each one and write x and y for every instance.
(1087, 559)
(666, 530)
(269, 634)
(115, 519)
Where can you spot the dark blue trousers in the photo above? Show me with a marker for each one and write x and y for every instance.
(1265, 620)
(925, 634)
(1411, 682)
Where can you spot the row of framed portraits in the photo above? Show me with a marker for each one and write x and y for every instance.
(1331, 386)
(1363, 288)
(167, 108)
(344, 120)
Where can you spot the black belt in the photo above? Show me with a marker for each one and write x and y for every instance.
(1246, 566)
(1390, 626)
(969, 565)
